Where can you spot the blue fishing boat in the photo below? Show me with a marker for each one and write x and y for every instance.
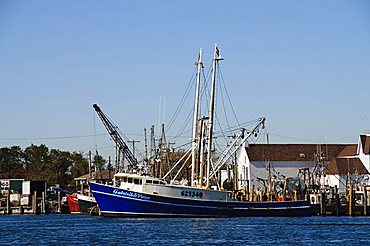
(137, 194)
(146, 196)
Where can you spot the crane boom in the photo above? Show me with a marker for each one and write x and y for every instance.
(117, 138)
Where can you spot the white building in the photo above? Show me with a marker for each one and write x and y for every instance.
(351, 165)
(288, 160)
(363, 150)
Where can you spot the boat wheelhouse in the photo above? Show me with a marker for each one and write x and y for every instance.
(155, 186)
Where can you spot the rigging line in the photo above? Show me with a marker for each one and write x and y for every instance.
(95, 140)
(221, 131)
(125, 138)
(51, 138)
(182, 101)
(256, 138)
(222, 99)
(224, 109)
(138, 152)
(107, 147)
(184, 125)
(181, 131)
(242, 126)
(221, 149)
(178, 147)
(228, 97)
(332, 173)
(216, 115)
(205, 93)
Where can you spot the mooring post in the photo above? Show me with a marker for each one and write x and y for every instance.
(8, 211)
(59, 201)
(34, 202)
(43, 202)
(336, 199)
(350, 205)
(365, 200)
(252, 193)
(247, 192)
(323, 203)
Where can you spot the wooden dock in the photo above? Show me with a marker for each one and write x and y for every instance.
(37, 205)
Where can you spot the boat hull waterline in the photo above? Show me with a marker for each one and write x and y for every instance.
(114, 201)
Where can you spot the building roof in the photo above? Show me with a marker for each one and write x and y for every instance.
(103, 174)
(296, 152)
(349, 150)
(345, 165)
(365, 142)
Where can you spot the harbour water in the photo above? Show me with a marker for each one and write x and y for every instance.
(94, 230)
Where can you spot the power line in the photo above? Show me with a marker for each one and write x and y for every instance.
(51, 138)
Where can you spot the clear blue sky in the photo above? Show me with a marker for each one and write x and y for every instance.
(304, 65)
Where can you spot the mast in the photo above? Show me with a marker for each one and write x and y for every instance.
(146, 152)
(201, 150)
(152, 152)
(216, 58)
(162, 153)
(195, 121)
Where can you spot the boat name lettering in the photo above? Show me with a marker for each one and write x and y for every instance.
(190, 193)
(130, 194)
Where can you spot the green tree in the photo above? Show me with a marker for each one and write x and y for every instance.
(99, 163)
(37, 162)
(80, 166)
(61, 164)
(11, 162)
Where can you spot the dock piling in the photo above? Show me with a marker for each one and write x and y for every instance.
(350, 205)
(323, 203)
(8, 211)
(365, 200)
(43, 203)
(336, 200)
(59, 203)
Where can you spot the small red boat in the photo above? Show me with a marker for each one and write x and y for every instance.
(72, 200)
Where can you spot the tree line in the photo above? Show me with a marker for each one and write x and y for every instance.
(38, 162)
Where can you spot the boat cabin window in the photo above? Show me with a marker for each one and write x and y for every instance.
(150, 181)
(129, 180)
(158, 182)
(137, 181)
(125, 179)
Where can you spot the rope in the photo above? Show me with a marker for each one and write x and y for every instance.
(182, 102)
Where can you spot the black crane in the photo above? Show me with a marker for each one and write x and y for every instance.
(117, 138)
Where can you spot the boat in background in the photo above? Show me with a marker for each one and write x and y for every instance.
(136, 194)
(73, 204)
(87, 204)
